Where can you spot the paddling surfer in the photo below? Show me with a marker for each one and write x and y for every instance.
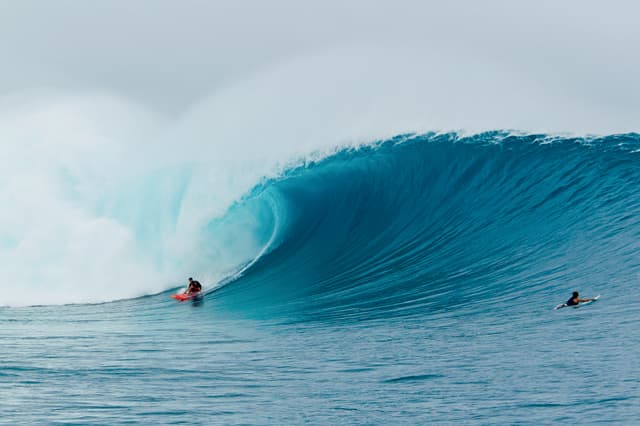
(575, 299)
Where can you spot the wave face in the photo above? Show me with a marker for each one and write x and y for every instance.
(423, 224)
(406, 226)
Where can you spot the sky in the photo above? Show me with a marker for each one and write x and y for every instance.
(573, 58)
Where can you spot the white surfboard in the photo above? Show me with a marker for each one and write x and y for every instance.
(564, 305)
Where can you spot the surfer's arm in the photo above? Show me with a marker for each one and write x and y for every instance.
(585, 300)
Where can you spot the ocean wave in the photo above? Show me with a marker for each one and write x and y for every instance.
(405, 226)
(431, 223)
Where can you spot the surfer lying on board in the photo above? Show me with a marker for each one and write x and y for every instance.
(194, 287)
(575, 299)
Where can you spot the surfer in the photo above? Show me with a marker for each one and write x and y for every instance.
(194, 287)
(575, 299)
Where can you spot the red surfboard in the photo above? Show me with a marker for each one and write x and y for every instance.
(181, 297)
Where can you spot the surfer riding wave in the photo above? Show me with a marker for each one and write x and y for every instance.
(194, 287)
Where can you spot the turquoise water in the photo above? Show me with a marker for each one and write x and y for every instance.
(409, 282)
(150, 361)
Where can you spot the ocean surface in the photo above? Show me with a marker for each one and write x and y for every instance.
(406, 281)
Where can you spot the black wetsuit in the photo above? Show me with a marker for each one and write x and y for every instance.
(571, 302)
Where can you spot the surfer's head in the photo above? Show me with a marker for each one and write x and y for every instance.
(575, 294)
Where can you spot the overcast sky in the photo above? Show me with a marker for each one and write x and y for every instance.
(170, 54)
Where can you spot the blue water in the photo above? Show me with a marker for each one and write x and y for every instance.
(410, 281)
